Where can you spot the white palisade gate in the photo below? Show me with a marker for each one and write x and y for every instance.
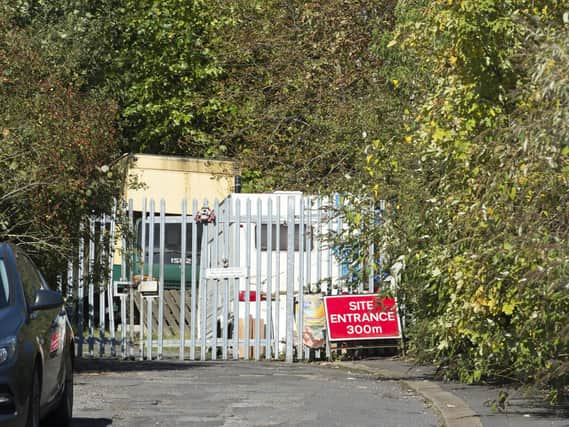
(222, 280)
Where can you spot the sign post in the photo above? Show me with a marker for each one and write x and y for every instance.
(362, 317)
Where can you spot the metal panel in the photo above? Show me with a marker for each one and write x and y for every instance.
(161, 279)
(183, 244)
(319, 250)
(91, 275)
(338, 229)
(237, 281)
(269, 325)
(308, 255)
(319, 242)
(203, 289)
(248, 279)
(290, 281)
(150, 300)
(225, 254)
(141, 278)
(329, 252)
(278, 278)
(214, 285)
(361, 269)
(371, 263)
(258, 288)
(125, 251)
(131, 250)
(81, 292)
(301, 280)
(101, 288)
(111, 257)
(194, 290)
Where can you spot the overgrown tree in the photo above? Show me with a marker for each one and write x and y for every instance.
(57, 140)
(164, 73)
(305, 79)
(482, 210)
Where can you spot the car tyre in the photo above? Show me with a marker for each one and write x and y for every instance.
(63, 413)
(34, 401)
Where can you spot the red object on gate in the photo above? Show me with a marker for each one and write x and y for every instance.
(252, 296)
(361, 317)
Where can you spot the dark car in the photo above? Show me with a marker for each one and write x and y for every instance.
(36, 346)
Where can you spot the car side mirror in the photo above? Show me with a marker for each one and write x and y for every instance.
(46, 299)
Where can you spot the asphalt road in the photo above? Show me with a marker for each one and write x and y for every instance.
(239, 394)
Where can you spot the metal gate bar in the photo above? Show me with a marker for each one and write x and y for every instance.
(236, 281)
(109, 282)
(183, 244)
(203, 288)
(150, 300)
(193, 295)
(278, 279)
(226, 300)
(269, 299)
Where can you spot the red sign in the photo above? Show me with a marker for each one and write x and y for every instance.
(361, 317)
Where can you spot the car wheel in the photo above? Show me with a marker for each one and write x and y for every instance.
(62, 414)
(34, 401)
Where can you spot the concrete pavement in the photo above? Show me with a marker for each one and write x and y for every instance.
(463, 405)
(169, 393)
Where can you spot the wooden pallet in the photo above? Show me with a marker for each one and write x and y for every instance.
(171, 313)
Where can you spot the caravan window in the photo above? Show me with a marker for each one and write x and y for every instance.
(283, 237)
(172, 242)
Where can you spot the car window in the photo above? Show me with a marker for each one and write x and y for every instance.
(31, 280)
(4, 285)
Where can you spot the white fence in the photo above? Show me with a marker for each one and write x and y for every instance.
(220, 281)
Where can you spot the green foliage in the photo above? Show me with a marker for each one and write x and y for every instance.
(482, 187)
(56, 141)
(164, 71)
(305, 78)
(77, 38)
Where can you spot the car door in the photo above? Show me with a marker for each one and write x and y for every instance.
(44, 327)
